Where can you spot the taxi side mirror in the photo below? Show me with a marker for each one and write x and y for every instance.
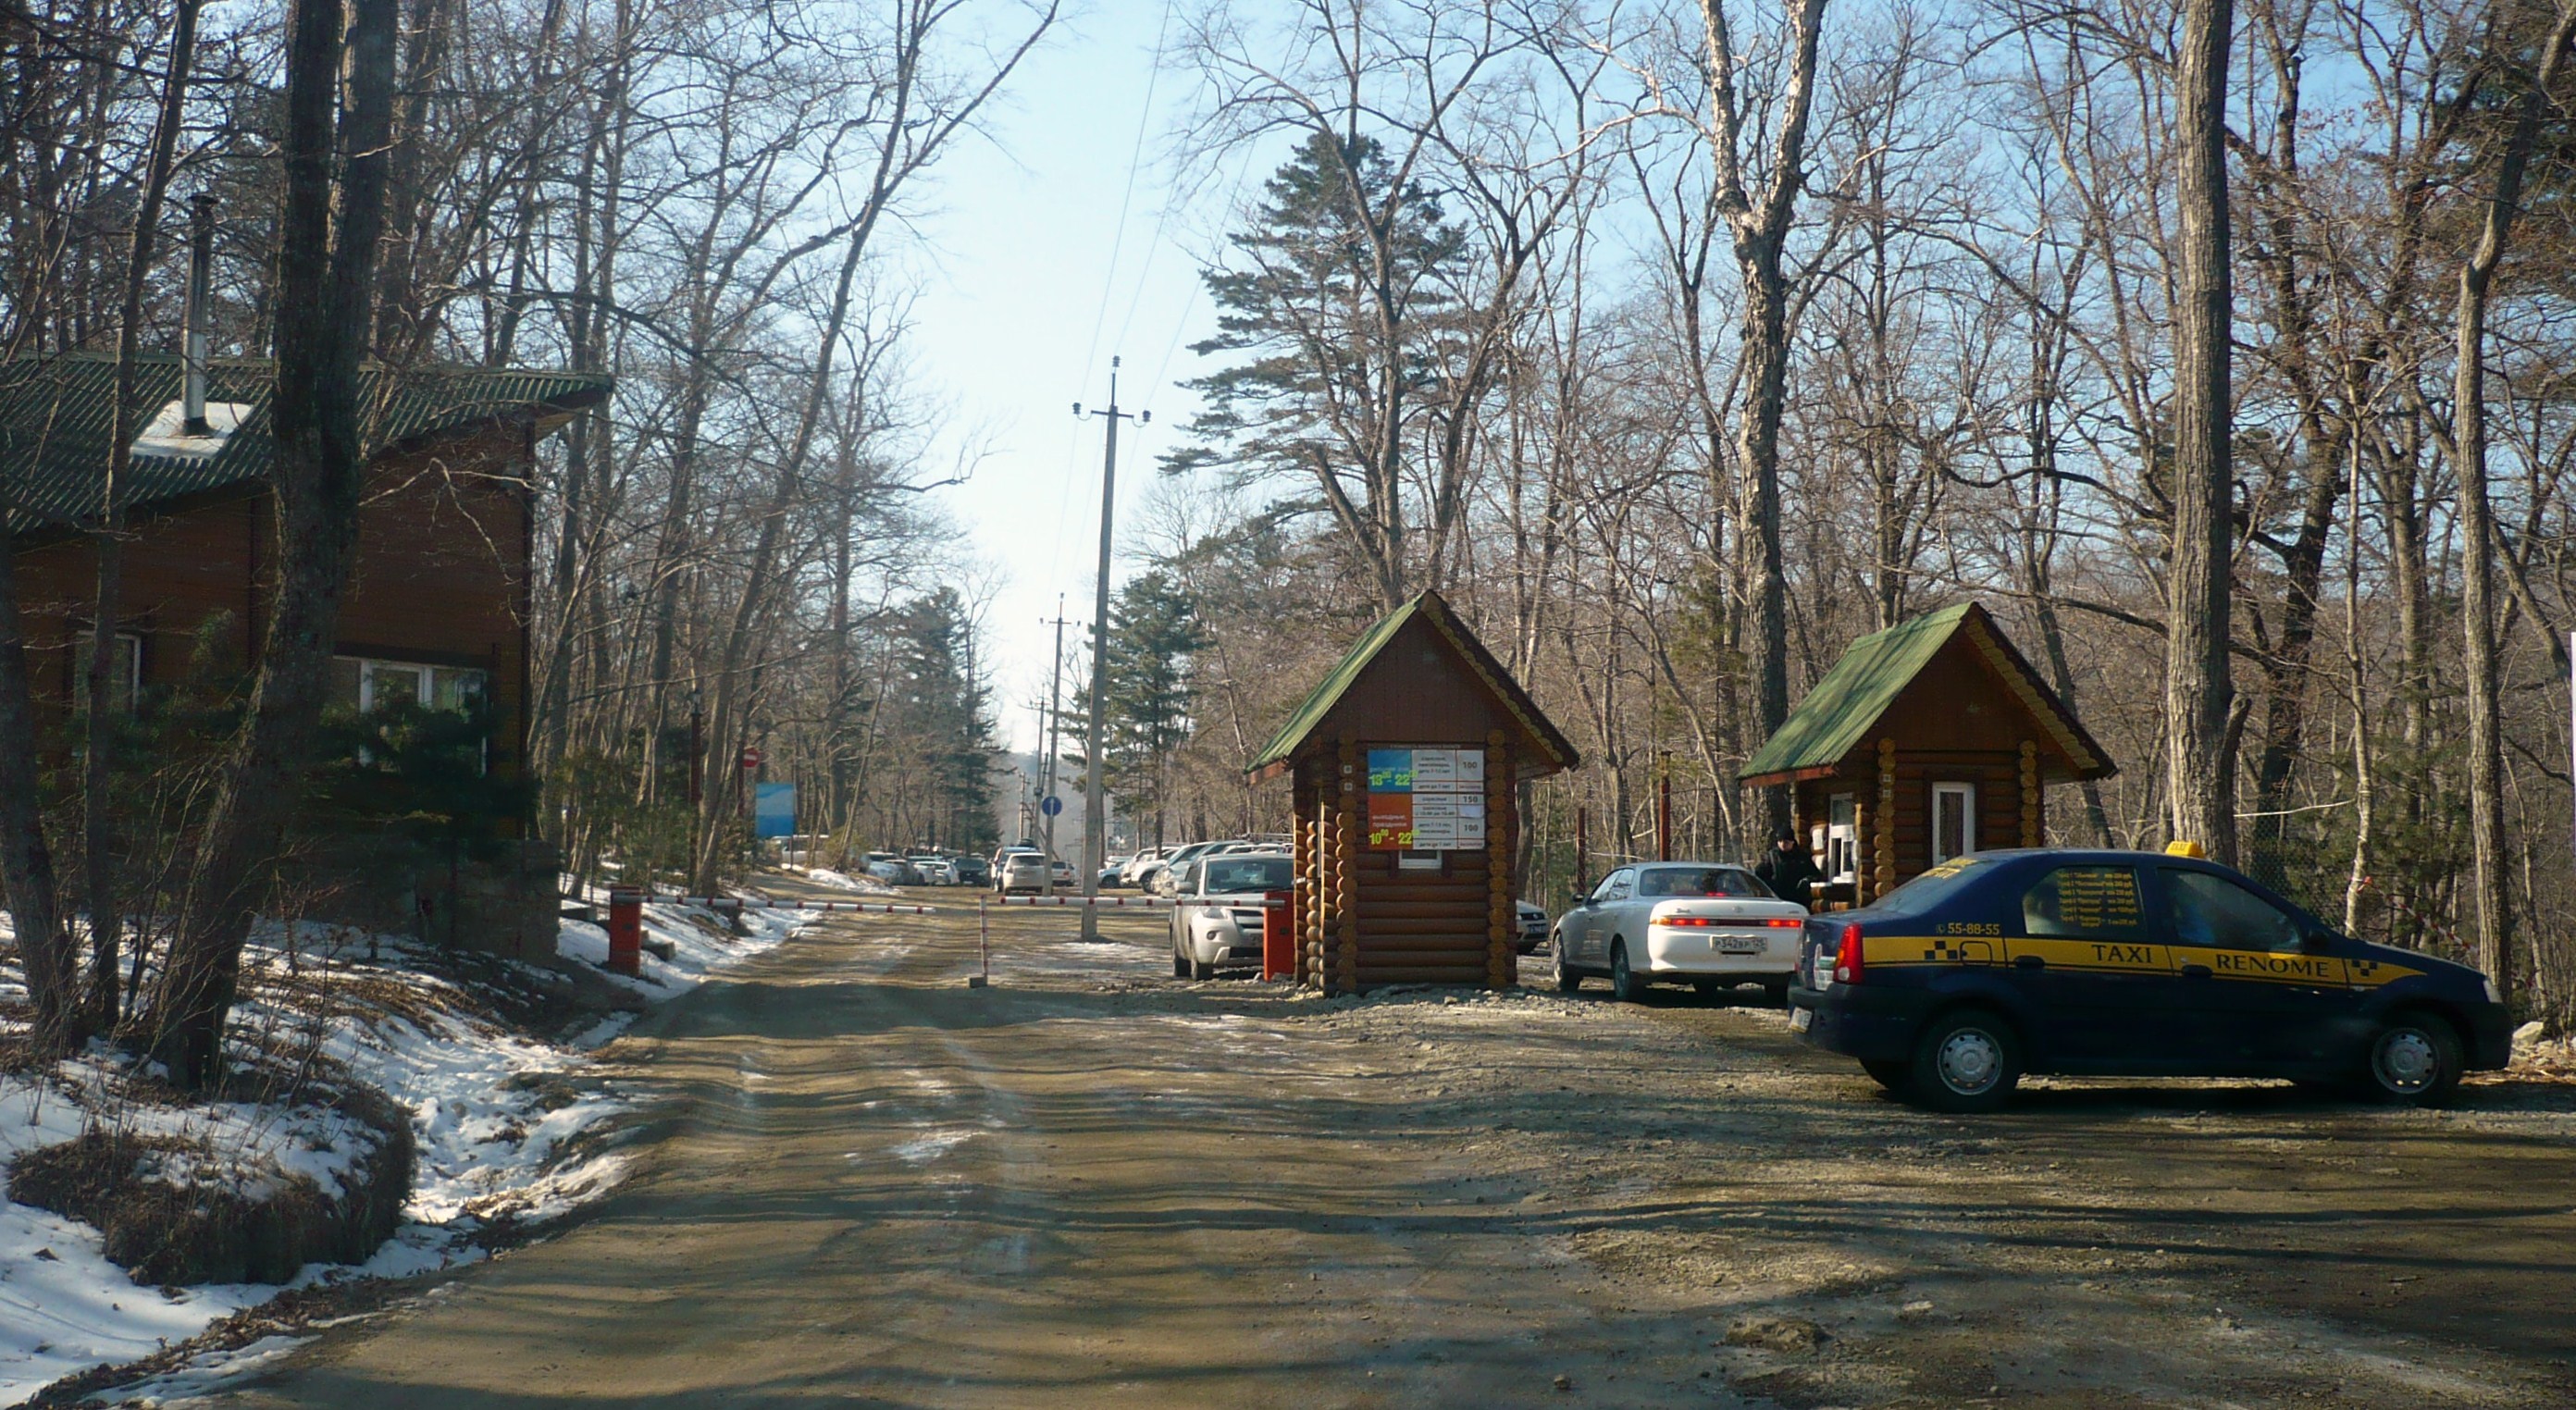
(1577, 899)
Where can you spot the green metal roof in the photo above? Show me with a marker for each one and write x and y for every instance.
(57, 415)
(1309, 715)
(1839, 710)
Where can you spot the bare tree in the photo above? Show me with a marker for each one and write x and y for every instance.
(339, 117)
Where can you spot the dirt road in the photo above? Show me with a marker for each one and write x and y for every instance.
(1091, 1184)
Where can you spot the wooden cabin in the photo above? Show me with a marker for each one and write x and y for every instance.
(1405, 764)
(1932, 739)
(437, 605)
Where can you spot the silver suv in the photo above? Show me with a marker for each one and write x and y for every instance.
(1022, 871)
(1216, 911)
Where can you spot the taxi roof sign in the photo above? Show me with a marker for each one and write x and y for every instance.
(2186, 848)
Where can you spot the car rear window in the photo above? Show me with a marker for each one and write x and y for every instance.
(1700, 881)
(1232, 874)
(1934, 888)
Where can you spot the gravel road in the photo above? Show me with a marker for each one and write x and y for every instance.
(1092, 1184)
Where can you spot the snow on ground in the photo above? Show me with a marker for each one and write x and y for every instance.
(506, 1128)
(840, 881)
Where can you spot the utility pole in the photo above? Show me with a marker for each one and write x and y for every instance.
(1055, 716)
(1094, 811)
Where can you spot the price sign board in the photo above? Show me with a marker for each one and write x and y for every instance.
(1426, 800)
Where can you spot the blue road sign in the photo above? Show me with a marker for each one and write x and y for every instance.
(1050, 805)
(773, 810)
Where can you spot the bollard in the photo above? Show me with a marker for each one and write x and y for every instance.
(1278, 936)
(983, 974)
(626, 932)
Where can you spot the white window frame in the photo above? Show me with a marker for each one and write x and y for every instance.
(424, 676)
(129, 649)
(1966, 793)
(1842, 837)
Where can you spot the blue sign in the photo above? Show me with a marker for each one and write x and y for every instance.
(773, 810)
(1050, 805)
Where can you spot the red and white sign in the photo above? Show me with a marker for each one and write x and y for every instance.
(752, 758)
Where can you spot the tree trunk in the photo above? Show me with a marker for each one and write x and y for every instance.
(26, 863)
(2477, 521)
(98, 768)
(2200, 804)
(323, 319)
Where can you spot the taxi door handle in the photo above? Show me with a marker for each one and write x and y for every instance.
(2196, 971)
(2029, 962)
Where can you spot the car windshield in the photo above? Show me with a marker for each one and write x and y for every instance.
(1699, 881)
(1227, 875)
(1935, 887)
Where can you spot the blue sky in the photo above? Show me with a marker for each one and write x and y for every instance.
(1032, 284)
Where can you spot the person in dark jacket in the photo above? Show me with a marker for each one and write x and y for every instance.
(1788, 869)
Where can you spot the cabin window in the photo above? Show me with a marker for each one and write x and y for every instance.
(1954, 821)
(1842, 837)
(125, 674)
(364, 685)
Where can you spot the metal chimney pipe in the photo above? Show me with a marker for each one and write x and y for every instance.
(201, 268)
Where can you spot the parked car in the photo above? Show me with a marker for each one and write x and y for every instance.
(973, 871)
(1533, 928)
(1705, 923)
(1022, 871)
(1112, 875)
(1060, 874)
(1160, 881)
(1217, 923)
(2129, 964)
(902, 873)
(1178, 879)
(935, 870)
(1133, 874)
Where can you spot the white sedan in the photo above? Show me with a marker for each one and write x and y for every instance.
(1704, 923)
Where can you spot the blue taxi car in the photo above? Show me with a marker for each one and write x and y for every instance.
(2128, 964)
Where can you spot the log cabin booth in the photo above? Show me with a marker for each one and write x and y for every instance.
(434, 614)
(1927, 741)
(1405, 765)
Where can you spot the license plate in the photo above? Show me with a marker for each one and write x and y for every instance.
(1739, 944)
(1800, 1020)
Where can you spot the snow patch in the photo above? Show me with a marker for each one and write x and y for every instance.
(507, 1129)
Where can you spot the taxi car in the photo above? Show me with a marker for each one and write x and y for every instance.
(2128, 964)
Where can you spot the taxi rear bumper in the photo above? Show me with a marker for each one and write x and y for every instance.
(1857, 1020)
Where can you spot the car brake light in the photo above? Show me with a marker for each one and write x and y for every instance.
(1787, 922)
(1688, 920)
(1847, 957)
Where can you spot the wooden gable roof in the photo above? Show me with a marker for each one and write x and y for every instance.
(1845, 708)
(1419, 676)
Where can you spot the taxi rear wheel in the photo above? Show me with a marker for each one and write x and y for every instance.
(2414, 1060)
(1968, 1060)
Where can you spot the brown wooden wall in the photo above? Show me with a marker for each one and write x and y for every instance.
(1362, 924)
(440, 576)
(2001, 804)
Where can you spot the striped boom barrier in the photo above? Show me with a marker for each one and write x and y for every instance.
(903, 908)
(1139, 902)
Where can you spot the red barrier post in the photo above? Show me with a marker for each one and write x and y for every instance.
(1278, 936)
(626, 932)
